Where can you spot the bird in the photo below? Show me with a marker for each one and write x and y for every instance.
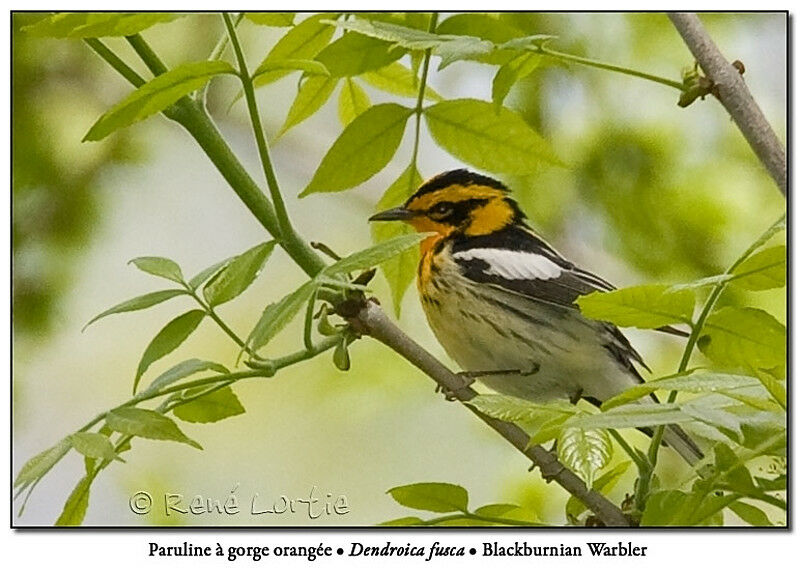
(502, 302)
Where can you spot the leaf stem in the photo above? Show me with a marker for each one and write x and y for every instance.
(114, 61)
(221, 323)
(148, 56)
(421, 96)
(284, 225)
(608, 67)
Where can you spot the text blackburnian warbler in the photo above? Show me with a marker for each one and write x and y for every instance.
(498, 297)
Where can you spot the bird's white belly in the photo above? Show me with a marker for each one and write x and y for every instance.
(558, 353)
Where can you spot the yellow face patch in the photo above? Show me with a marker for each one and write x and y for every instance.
(453, 194)
(495, 213)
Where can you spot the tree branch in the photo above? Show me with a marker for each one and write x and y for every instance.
(371, 320)
(734, 96)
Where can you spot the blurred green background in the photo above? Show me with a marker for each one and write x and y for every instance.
(652, 193)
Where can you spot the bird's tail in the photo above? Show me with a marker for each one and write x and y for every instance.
(681, 443)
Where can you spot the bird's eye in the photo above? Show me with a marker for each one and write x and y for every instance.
(441, 210)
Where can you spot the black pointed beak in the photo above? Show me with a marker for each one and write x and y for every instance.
(394, 214)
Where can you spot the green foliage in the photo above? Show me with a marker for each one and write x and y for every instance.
(375, 255)
(697, 381)
(215, 406)
(302, 42)
(93, 445)
(156, 95)
(237, 275)
(313, 93)
(397, 79)
(196, 281)
(138, 303)
(36, 467)
(160, 267)
(278, 314)
(170, 337)
(182, 370)
(354, 54)
(352, 102)
(745, 338)
(399, 270)
(500, 142)
(431, 497)
(511, 72)
(272, 19)
(585, 451)
(645, 306)
(603, 484)
(363, 149)
(147, 424)
(764, 270)
(77, 503)
(96, 24)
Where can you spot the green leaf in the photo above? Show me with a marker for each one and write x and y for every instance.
(744, 338)
(645, 306)
(731, 470)
(41, 464)
(215, 406)
(278, 314)
(272, 19)
(486, 27)
(750, 514)
(146, 424)
(407, 521)
(374, 255)
(508, 74)
(399, 271)
(237, 275)
(353, 54)
(496, 510)
(531, 416)
(773, 386)
(309, 66)
(341, 357)
(502, 142)
(97, 24)
(77, 503)
(449, 47)
(631, 415)
(304, 41)
(585, 451)
(676, 508)
(364, 148)
(170, 337)
(156, 95)
(764, 270)
(353, 101)
(313, 93)
(603, 484)
(698, 381)
(398, 79)
(431, 497)
(184, 369)
(207, 273)
(160, 267)
(93, 445)
(138, 303)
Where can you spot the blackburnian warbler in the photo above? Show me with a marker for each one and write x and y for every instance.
(501, 301)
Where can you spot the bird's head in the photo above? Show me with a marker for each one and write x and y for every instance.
(458, 201)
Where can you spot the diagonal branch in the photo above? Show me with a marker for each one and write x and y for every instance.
(371, 320)
(734, 96)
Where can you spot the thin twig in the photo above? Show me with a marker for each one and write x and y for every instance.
(734, 96)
